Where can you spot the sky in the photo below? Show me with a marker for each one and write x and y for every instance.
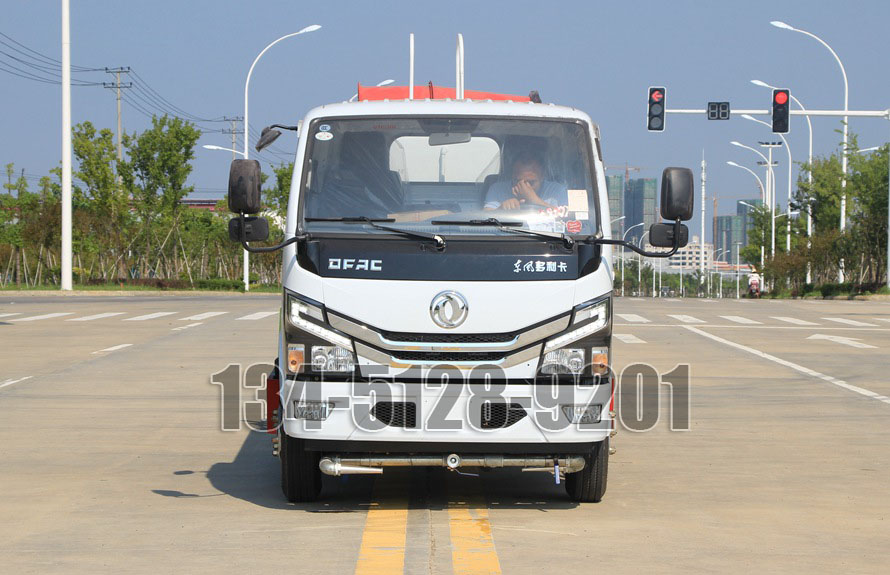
(597, 56)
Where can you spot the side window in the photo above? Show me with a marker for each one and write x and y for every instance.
(416, 161)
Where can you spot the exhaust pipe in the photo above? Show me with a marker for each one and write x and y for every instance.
(333, 467)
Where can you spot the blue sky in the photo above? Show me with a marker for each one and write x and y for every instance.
(597, 56)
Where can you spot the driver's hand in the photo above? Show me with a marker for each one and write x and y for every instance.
(525, 192)
(511, 204)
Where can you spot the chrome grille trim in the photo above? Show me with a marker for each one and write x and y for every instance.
(371, 336)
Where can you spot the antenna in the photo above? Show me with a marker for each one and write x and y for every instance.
(459, 65)
(411, 66)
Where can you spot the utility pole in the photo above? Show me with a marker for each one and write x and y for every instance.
(66, 257)
(234, 131)
(118, 86)
(704, 179)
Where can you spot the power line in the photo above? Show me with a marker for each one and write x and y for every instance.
(42, 57)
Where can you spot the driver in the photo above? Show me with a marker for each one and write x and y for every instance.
(528, 188)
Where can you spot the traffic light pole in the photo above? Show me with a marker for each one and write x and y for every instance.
(839, 113)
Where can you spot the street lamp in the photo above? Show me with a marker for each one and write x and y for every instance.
(762, 239)
(383, 83)
(790, 165)
(640, 264)
(770, 186)
(246, 155)
(716, 256)
(750, 171)
(610, 229)
(221, 148)
(624, 237)
(737, 268)
(809, 171)
(784, 26)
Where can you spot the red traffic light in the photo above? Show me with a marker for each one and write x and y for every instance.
(781, 97)
(657, 95)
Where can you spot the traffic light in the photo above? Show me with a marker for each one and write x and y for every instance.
(781, 111)
(656, 109)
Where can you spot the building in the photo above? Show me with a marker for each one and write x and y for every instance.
(640, 207)
(615, 190)
(690, 257)
(731, 230)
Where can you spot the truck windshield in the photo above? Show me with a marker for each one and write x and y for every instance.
(415, 171)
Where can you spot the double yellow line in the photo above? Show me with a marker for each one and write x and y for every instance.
(385, 536)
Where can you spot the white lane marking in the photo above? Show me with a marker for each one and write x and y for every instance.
(97, 316)
(11, 381)
(150, 316)
(793, 320)
(850, 321)
(257, 315)
(632, 317)
(10, 314)
(203, 316)
(628, 338)
(792, 365)
(113, 348)
(887, 319)
(44, 316)
(851, 341)
(740, 319)
(686, 318)
(182, 327)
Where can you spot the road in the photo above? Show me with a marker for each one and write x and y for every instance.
(112, 458)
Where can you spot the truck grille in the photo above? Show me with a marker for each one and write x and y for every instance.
(396, 413)
(448, 337)
(407, 356)
(498, 415)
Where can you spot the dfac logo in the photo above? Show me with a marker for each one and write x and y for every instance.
(355, 264)
(449, 309)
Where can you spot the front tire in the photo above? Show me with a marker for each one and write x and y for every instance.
(300, 475)
(589, 484)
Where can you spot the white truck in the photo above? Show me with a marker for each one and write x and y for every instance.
(447, 287)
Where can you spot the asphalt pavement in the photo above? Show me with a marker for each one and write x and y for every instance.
(112, 458)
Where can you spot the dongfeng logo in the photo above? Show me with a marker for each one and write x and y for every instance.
(449, 309)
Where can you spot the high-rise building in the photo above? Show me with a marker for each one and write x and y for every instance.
(744, 209)
(640, 206)
(730, 231)
(615, 190)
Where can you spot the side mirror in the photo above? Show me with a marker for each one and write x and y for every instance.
(245, 179)
(662, 235)
(256, 229)
(677, 194)
(266, 138)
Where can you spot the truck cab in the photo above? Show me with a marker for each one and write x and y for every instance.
(447, 290)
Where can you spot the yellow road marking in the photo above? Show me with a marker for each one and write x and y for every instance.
(383, 542)
(472, 547)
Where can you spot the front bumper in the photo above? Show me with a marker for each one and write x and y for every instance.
(447, 414)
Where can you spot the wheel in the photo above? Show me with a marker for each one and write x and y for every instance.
(300, 475)
(589, 484)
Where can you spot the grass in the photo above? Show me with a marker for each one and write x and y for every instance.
(258, 288)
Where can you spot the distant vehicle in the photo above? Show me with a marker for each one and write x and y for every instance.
(754, 285)
(402, 264)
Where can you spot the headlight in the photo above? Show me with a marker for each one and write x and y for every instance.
(566, 361)
(596, 316)
(332, 358)
(299, 311)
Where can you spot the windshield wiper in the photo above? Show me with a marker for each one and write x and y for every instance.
(436, 238)
(567, 241)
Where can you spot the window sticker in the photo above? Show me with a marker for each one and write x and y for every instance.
(578, 201)
(324, 136)
(324, 128)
